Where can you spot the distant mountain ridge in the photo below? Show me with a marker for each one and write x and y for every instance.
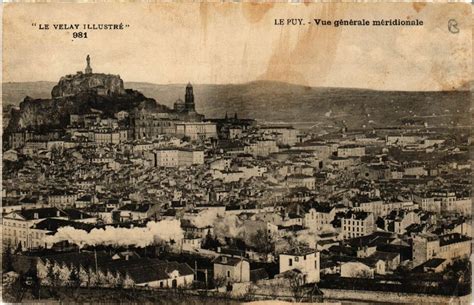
(275, 101)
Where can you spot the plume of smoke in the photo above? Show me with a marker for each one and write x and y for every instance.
(205, 218)
(228, 226)
(307, 238)
(165, 230)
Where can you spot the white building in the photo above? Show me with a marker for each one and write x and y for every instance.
(62, 199)
(110, 136)
(284, 135)
(306, 261)
(318, 217)
(300, 180)
(355, 224)
(175, 157)
(231, 269)
(449, 246)
(261, 148)
(16, 226)
(196, 130)
(350, 151)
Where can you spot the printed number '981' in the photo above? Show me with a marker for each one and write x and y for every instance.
(79, 35)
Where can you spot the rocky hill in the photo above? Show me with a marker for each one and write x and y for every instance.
(77, 94)
(102, 83)
(36, 113)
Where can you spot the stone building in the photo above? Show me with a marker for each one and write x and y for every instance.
(182, 120)
(232, 269)
(356, 224)
(305, 261)
(450, 247)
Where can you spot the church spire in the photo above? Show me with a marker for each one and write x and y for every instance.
(189, 98)
(88, 67)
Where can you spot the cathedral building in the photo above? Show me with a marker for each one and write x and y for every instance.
(181, 121)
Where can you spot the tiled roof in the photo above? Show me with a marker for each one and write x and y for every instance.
(41, 213)
(53, 225)
(226, 260)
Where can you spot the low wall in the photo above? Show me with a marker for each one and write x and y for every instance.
(271, 289)
(391, 297)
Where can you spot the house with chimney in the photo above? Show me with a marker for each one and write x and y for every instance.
(231, 269)
(304, 262)
(318, 215)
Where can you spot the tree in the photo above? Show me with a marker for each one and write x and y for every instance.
(18, 289)
(32, 281)
(315, 291)
(210, 242)
(19, 248)
(262, 241)
(366, 274)
(53, 280)
(250, 292)
(295, 282)
(119, 284)
(219, 281)
(7, 261)
(74, 280)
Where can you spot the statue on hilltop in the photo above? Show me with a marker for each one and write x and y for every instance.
(88, 67)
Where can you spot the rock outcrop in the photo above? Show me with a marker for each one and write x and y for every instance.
(102, 84)
(55, 112)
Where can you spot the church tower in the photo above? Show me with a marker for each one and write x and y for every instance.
(88, 69)
(189, 99)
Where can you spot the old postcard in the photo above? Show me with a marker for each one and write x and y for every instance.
(227, 152)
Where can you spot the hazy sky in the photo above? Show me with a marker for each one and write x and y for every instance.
(234, 43)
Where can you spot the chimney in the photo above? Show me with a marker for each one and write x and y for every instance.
(224, 259)
(126, 257)
(58, 213)
(36, 216)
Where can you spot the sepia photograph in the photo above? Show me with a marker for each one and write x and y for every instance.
(236, 153)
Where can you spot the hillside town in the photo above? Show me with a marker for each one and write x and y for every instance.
(165, 198)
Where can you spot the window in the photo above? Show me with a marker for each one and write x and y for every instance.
(290, 262)
(304, 257)
(228, 273)
(297, 258)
